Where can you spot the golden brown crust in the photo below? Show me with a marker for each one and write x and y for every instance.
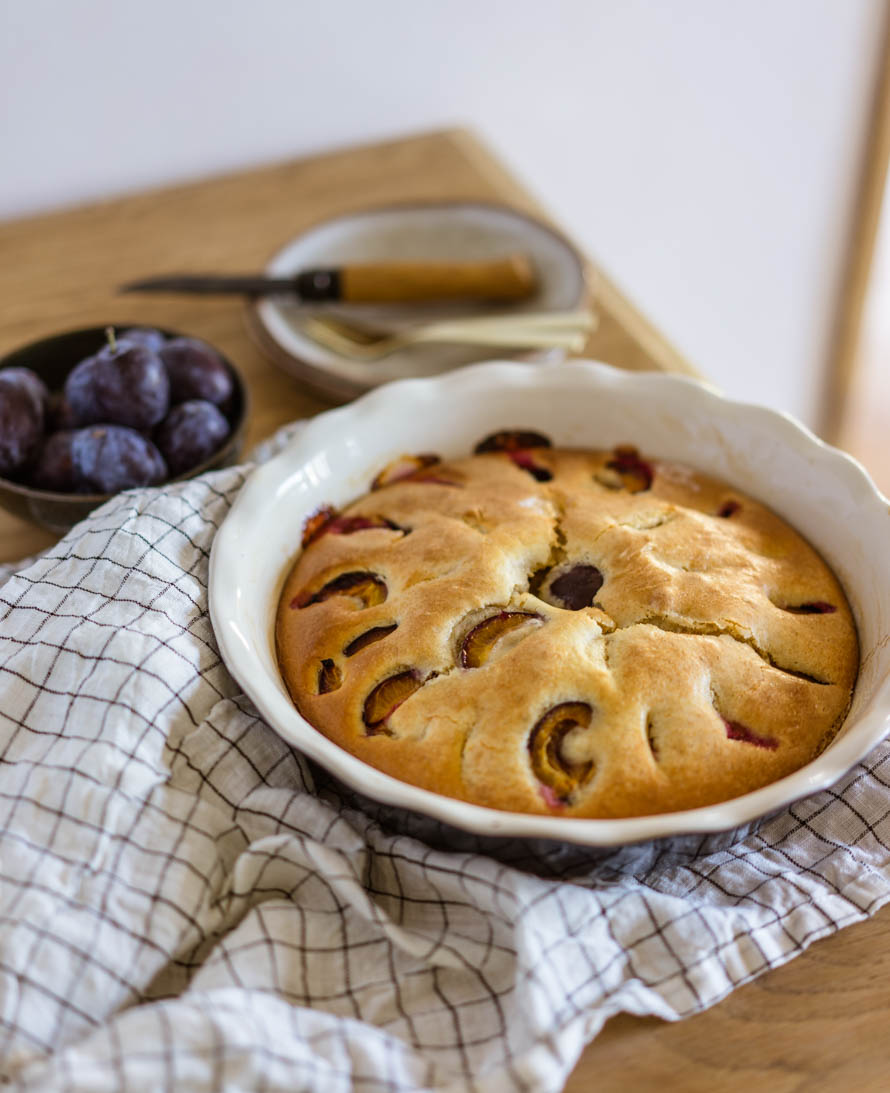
(661, 642)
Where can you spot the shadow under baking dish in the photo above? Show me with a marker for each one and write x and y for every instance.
(543, 857)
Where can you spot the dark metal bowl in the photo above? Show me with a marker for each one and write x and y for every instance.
(52, 359)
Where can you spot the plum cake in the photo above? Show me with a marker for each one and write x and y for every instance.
(567, 632)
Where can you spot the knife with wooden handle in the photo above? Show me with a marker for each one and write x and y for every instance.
(509, 278)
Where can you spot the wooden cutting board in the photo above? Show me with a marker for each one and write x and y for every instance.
(818, 1023)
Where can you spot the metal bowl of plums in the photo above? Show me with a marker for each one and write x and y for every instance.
(90, 412)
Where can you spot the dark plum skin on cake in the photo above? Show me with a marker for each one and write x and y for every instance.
(568, 632)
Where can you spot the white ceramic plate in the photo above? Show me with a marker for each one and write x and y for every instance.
(459, 231)
(824, 493)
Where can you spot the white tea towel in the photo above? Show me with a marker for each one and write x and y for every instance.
(186, 903)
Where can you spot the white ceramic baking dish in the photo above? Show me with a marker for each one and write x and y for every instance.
(821, 491)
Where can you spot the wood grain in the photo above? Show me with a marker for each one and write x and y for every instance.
(816, 1023)
(61, 270)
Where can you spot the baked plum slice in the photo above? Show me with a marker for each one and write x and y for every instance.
(376, 633)
(366, 588)
(316, 523)
(626, 470)
(512, 440)
(518, 444)
(348, 525)
(815, 607)
(329, 677)
(735, 730)
(413, 468)
(479, 643)
(557, 773)
(526, 462)
(327, 521)
(386, 698)
(575, 587)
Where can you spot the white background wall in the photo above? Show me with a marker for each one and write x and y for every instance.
(705, 151)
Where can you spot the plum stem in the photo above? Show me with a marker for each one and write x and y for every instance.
(112, 340)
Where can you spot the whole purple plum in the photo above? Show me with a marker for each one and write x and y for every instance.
(21, 422)
(108, 458)
(59, 415)
(190, 433)
(195, 371)
(124, 383)
(24, 377)
(54, 469)
(144, 335)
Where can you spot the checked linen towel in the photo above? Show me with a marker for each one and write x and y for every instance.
(186, 903)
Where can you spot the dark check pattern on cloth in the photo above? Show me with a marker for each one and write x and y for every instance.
(186, 903)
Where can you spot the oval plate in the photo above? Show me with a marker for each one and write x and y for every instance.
(446, 232)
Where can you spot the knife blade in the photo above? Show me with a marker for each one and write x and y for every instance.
(509, 278)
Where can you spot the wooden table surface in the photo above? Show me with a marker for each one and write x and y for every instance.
(818, 1023)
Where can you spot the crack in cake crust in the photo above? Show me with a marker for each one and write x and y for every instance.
(694, 628)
